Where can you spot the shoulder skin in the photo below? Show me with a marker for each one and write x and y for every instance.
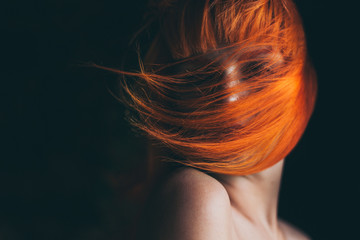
(194, 206)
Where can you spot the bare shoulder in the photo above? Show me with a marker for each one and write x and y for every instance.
(189, 180)
(195, 206)
(293, 233)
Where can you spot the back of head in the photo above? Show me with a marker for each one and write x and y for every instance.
(225, 84)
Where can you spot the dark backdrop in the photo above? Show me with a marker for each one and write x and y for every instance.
(66, 147)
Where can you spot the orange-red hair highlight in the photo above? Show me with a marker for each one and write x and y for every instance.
(225, 84)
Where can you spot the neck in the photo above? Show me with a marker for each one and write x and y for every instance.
(256, 196)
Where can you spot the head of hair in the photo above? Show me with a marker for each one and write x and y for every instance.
(225, 84)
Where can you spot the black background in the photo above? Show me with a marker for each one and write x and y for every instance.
(66, 147)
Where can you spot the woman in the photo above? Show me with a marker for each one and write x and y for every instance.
(224, 93)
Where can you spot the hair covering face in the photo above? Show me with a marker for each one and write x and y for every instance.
(225, 84)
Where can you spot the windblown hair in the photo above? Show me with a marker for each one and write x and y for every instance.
(225, 84)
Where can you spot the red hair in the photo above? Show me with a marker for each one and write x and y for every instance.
(225, 84)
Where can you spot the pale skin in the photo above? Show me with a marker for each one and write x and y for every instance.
(197, 206)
